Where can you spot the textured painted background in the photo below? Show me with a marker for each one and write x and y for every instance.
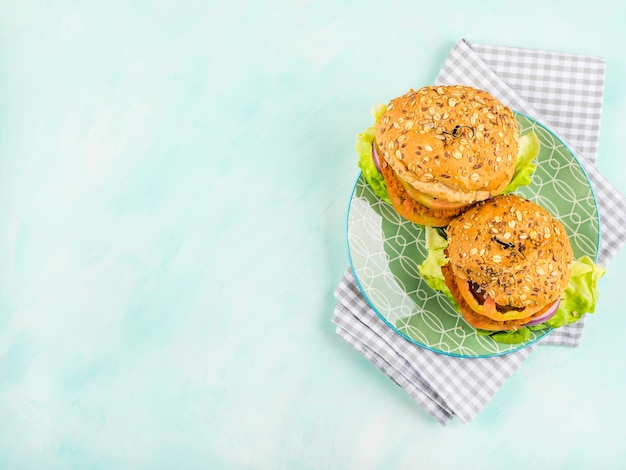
(174, 178)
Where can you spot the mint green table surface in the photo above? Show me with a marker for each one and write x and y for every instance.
(174, 178)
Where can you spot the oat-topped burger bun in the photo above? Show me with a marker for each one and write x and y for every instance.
(510, 262)
(444, 148)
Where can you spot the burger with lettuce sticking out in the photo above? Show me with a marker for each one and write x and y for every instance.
(508, 266)
(449, 156)
(434, 152)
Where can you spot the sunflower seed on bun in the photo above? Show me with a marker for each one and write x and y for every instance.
(509, 261)
(448, 147)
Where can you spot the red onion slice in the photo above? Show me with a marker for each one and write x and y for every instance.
(376, 158)
(545, 316)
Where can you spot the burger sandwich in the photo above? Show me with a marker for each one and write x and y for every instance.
(509, 263)
(441, 149)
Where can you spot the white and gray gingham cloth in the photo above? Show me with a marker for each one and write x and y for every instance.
(563, 91)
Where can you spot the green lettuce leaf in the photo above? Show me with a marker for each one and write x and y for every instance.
(581, 294)
(364, 150)
(430, 269)
(529, 147)
(509, 337)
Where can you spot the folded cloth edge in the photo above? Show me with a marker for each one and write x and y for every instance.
(465, 387)
(418, 390)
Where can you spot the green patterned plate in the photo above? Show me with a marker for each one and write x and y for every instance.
(385, 251)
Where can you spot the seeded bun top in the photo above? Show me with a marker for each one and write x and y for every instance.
(457, 143)
(513, 248)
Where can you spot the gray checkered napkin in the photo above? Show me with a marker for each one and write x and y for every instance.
(563, 91)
